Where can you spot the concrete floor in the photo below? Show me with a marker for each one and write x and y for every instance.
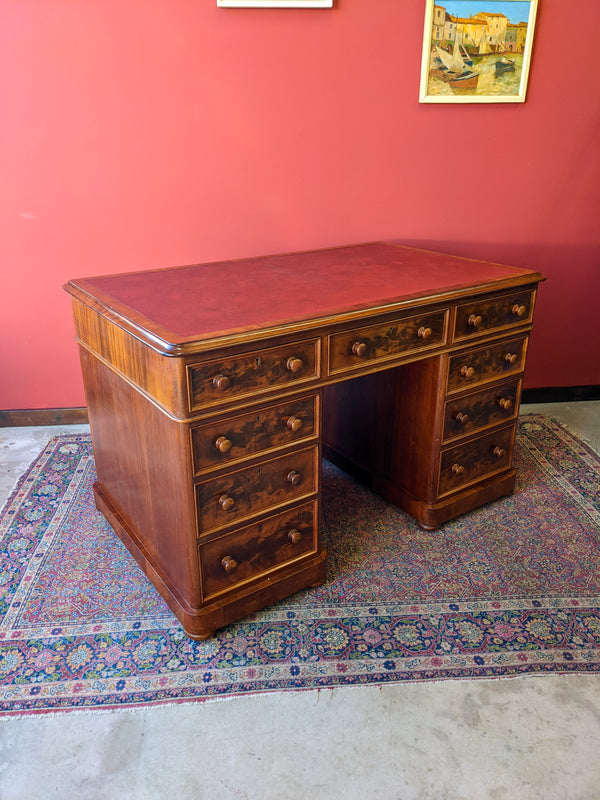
(513, 739)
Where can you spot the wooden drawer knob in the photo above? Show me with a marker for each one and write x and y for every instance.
(474, 321)
(461, 418)
(424, 333)
(223, 444)
(221, 382)
(293, 477)
(518, 311)
(294, 364)
(466, 372)
(511, 358)
(359, 349)
(499, 452)
(295, 536)
(457, 469)
(226, 502)
(505, 403)
(294, 424)
(228, 563)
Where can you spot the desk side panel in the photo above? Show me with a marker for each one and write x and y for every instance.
(143, 467)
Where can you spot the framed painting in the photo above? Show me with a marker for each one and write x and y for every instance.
(275, 3)
(477, 51)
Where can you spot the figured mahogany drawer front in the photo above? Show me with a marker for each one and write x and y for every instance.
(474, 460)
(354, 349)
(235, 438)
(249, 374)
(507, 311)
(250, 552)
(254, 490)
(472, 412)
(486, 364)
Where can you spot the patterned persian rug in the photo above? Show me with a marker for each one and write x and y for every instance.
(511, 589)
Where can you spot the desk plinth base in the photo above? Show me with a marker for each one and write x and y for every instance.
(431, 516)
(202, 622)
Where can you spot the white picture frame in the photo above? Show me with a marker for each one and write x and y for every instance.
(477, 51)
(275, 3)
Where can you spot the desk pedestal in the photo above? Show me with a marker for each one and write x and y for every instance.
(435, 453)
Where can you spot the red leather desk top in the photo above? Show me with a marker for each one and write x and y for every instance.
(208, 301)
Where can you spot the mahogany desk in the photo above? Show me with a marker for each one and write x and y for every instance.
(214, 390)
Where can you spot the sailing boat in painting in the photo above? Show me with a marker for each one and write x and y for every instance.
(484, 48)
(452, 67)
(466, 56)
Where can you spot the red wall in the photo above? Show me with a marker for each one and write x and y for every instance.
(151, 133)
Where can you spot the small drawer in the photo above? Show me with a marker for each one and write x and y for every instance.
(252, 552)
(218, 381)
(462, 466)
(230, 498)
(473, 412)
(352, 350)
(486, 316)
(235, 438)
(486, 364)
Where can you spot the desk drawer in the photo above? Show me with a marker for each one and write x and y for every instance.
(470, 462)
(230, 498)
(471, 413)
(235, 438)
(250, 374)
(498, 313)
(354, 349)
(249, 553)
(486, 364)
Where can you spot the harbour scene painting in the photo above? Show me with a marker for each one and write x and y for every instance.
(477, 50)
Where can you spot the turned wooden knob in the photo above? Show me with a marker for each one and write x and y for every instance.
(221, 382)
(223, 444)
(294, 423)
(474, 321)
(467, 372)
(226, 502)
(505, 403)
(510, 358)
(457, 469)
(294, 536)
(518, 311)
(498, 452)
(359, 349)
(293, 477)
(423, 332)
(294, 364)
(461, 418)
(228, 563)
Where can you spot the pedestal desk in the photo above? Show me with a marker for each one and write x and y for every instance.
(214, 390)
